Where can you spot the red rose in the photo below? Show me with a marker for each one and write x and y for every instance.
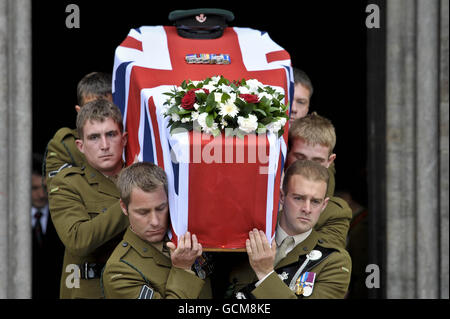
(187, 102)
(249, 98)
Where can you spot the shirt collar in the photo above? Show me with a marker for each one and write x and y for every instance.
(159, 246)
(43, 210)
(281, 235)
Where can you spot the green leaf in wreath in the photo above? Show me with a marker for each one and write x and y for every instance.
(261, 129)
(173, 109)
(222, 81)
(225, 97)
(247, 109)
(260, 111)
(183, 112)
(201, 97)
(240, 134)
(216, 132)
(209, 120)
(264, 102)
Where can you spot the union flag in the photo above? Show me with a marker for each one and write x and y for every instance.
(215, 190)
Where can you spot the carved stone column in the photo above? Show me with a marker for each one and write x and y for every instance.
(15, 148)
(417, 149)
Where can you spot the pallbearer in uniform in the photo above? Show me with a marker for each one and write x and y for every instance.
(84, 201)
(146, 265)
(62, 151)
(313, 138)
(298, 264)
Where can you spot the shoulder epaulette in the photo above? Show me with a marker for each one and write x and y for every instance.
(70, 170)
(54, 173)
(339, 201)
(62, 133)
(123, 249)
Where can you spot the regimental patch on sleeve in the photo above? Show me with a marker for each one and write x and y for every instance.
(146, 292)
(54, 190)
(345, 269)
(53, 173)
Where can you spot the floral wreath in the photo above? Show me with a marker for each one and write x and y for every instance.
(217, 105)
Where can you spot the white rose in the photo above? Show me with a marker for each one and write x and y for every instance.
(209, 87)
(244, 90)
(278, 90)
(215, 79)
(226, 88)
(201, 119)
(249, 124)
(218, 97)
(175, 117)
(274, 127)
(266, 95)
(202, 122)
(253, 85)
(165, 108)
(194, 115)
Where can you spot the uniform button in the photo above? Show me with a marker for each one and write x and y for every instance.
(93, 175)
(144, 250)
(103, 209)
(124, 244)
(305, 248)
(320, 241)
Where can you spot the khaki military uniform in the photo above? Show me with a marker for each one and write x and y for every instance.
(331, 181)
(62, 152)
(332, 273)
(139, 270)
(334, 222)
(84, 206)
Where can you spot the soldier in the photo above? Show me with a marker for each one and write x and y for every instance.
(141, 266)
(84, 201)
(313, 137)
(299, 264)
(303, 90)
(61, 150)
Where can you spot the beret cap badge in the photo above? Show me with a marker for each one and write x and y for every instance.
(200, 18)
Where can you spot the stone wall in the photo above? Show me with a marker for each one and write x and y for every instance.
(15, 148)
(417, 149)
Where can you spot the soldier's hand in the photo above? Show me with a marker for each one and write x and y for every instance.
(183, 256)
(260, 254)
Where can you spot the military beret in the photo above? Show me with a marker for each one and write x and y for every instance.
(181, 14)
(201, 23)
